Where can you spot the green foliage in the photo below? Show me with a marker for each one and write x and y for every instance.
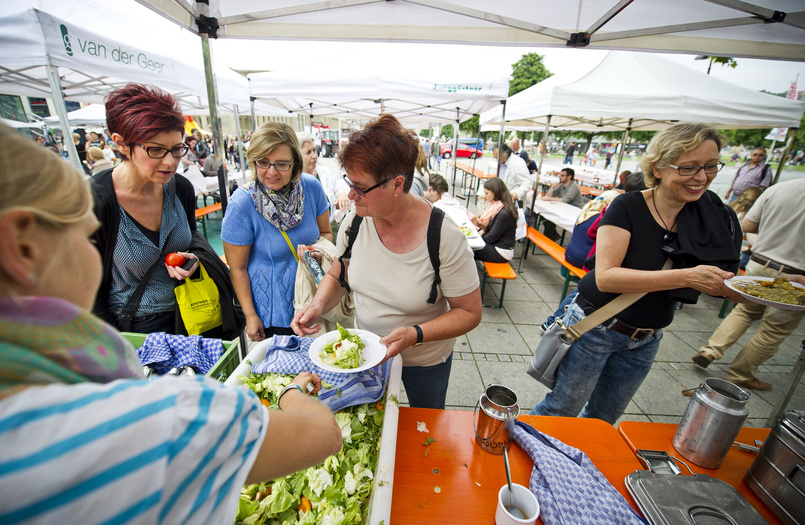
(447, 131)
(471, 126)
(526, 72)
(724, 61)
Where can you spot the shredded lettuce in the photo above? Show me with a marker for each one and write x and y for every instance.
(339, 489)
(344, 352)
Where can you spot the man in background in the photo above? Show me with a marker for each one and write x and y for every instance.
(754, 173)
(514, 173)
(778, 220)
(569, 153)
(515, 146)
(567, 191)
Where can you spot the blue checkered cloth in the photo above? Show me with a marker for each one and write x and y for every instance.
(163, 351)
(288, 354)
(570, 489)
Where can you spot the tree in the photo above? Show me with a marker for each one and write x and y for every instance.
(447, 131)
(526, 72)
(471, 126)
(724, 61)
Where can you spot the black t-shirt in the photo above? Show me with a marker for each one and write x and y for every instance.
(630, 212)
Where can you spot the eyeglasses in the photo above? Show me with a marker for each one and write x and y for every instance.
(279, 166)
(156, 152)
(758, 154)
(361, 191)
(690, 171)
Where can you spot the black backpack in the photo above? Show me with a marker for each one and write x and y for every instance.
(434, 237)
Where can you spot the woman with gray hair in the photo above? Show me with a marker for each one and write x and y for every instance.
(335, 188)
(264, 225)
(676, 218)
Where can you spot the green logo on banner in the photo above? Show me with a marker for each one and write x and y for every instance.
(65, 36)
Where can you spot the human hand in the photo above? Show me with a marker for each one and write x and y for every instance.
(514, 196)
(303, 319)
(342, 201)
(179, 273)
(710, 280)
(254, 328)
(398, 340)
(797, 279)
(306, 378)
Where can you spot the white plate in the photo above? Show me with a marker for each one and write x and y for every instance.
(775, 304)
(373, 351)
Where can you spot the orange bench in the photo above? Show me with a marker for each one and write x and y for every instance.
(201, 213)
(503, 271)
(554, 250)
(590, 192)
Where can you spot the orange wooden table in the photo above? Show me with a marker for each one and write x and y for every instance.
(659, 436)
(457, 482)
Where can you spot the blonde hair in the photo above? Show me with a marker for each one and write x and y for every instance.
(669, 144)
(745, 200)
(39, 181)
(95, 153)
(266, 139)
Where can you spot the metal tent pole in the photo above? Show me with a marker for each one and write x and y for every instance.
(784, 157)
(542, 155)
(61, 111)
(623, 150)
(215, 122)
(455, 152)
(240, 145)
(502, 131)
(254, 117)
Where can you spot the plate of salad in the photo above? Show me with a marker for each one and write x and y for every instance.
(346, 351)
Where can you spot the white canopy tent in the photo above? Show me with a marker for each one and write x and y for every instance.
(641, 91)
(342, 95)
(44, 55)
(736, 28)
(92, 114)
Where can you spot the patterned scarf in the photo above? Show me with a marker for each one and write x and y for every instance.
(50, 340)
(489, 213)
(284, 208)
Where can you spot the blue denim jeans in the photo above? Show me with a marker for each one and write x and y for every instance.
(600, 373)
(426, 386)
(560, 312)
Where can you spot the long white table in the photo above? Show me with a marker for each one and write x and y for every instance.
(562, 214)
(458, 214)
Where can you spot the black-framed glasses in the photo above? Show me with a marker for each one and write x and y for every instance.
(690, 171)
(279, 166)
(158, 152)
(361, 191)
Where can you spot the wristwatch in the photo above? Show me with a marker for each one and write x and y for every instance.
(419, 335)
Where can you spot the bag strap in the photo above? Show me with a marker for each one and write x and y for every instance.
(352, 234)
(130, 308)
(434, 239)
(611, 309)
(290, 245)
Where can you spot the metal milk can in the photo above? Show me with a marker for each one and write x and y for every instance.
(498, 410)
(714, 416)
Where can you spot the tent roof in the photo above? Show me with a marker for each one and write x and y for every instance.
(340, 95)
(735, 28)
(93, 114)
(94, 64)
(649, 89)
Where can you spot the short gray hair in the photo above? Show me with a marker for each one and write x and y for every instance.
(304, 136)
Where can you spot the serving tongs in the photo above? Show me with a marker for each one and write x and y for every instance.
(660, 462)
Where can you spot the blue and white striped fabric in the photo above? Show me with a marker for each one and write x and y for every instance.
(288, 354)
(172, 450)
(163, 351)
(570, 489)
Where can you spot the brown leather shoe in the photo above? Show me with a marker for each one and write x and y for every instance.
(754, 384)
(703, 359)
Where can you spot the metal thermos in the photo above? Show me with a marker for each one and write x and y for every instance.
(498, 410)
(714, 416)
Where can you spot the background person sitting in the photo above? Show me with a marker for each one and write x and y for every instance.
(498, 224)
(567, 191)
(178, 450)
(97, 161)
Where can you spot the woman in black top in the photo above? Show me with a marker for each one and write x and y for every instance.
(499, 230)
(676, 218)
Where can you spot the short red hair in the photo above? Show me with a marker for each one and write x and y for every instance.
(138, 112)
(383, 149)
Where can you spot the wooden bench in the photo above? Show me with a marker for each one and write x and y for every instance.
(590, 192)
(201, 213)
(478, 176)
(554, 250)
(503, 271)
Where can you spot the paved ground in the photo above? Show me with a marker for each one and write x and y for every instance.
(496, 352)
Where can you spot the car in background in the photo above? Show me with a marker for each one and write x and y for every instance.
(463, 151)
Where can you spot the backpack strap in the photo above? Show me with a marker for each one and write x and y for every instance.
(434, 239)
(352, 234)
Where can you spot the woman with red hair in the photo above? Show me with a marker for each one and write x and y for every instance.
(390, 270)
(146, 211)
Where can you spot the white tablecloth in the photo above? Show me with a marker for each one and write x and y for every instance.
(458, 214)
(562, 214)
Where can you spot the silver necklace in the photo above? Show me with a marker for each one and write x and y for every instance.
(667, 236)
